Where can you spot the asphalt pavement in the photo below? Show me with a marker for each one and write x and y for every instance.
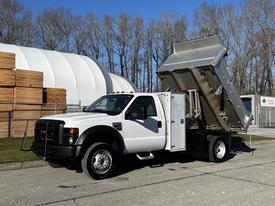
(247, 178)
(265, 132)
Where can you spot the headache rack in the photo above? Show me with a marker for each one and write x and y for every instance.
(200, 65)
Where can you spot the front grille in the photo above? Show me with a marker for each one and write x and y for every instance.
(50, 131)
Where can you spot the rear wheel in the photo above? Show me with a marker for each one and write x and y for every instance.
(99, 161)
(218, 149)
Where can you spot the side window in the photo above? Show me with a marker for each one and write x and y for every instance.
(145, 101)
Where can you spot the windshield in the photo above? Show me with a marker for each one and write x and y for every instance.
(110, 104)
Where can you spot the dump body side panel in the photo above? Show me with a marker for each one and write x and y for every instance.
(201, 64)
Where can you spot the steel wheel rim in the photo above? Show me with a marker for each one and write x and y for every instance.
(220, 149)
(101, 161)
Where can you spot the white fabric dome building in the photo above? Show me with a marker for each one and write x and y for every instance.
(83, 78)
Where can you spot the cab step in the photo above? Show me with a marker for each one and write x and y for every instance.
(145, 156)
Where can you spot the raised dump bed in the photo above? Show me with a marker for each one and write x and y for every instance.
(200, 65)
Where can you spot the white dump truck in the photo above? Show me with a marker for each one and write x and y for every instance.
(196, 113)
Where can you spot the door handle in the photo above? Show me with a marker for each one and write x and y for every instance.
(159, 124)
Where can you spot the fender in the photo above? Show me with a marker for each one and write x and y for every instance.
(99, 133)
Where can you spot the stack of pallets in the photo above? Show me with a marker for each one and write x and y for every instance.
(23, 99)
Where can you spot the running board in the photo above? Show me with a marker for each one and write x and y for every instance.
(145, 156)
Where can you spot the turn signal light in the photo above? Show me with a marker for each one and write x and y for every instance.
(73, 131)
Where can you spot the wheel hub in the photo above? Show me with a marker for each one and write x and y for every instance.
(220, 149)
(102, 161)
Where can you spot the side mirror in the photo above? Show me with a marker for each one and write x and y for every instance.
(84, 108)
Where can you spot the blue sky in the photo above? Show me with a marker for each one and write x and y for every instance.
(148, 9)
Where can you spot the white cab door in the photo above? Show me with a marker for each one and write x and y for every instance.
(143, 134)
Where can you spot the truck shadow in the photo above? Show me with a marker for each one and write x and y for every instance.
(130, 162)
(238, 145)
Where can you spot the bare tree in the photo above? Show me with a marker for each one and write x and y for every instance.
(123, 36)
(79, 36)
(108, 34)
(67, 28)
(93, 33)
(136, 45)
(207, 19)
(264, 14)
(16, 25)
(179, 29)
(148, 58)
(49, 32)
(134, 49)
(249, 36)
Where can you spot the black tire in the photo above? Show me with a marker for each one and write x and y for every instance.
(99, 161)
(218, 149)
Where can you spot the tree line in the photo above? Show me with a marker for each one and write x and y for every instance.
(135, 48)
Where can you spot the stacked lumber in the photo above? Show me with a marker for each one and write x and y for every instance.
(54, 95)
(7, 60)
(4, 129)
(5, 111)
(27, 78)
(5, 115)
(7, 78)
(28, 93)
(23, 128)
(7, 83)
(23, 99)
(24, 117)
(54, 100)
(26, 112)
(6, 95)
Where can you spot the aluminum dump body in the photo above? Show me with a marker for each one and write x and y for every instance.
(200, 64)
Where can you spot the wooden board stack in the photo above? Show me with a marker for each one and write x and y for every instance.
(21, 98)
(7, 83)
(27, 101)
(54, 100)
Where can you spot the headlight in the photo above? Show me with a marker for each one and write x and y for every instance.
(70, 135)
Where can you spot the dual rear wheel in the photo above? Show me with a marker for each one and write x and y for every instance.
(218, 148)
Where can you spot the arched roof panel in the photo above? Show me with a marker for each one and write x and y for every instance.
(36, 60)
(21, 60)
(121, 85)
(86, 83)
(84, 79)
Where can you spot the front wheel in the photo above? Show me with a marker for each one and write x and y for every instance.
(99, 161)
(218, 149)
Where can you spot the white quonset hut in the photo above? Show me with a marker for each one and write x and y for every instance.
(121, 84)
(83, 78)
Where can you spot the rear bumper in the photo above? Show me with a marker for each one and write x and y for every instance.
(54, 151)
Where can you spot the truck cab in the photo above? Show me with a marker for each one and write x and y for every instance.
(123, 123)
